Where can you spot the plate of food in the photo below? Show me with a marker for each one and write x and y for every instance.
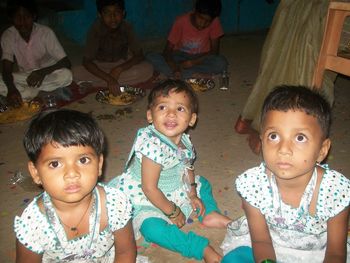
(25, 112)
(128, 96)
(201, 84)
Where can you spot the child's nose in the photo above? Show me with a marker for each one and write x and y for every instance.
(285, 147)
(71, 172)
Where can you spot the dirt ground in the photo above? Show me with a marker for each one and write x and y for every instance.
(222, 153)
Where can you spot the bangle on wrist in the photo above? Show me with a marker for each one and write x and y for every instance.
(268, 261)
(194, 185)
(172, 212)
(175, 215)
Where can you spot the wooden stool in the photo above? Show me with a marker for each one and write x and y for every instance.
(329, 57)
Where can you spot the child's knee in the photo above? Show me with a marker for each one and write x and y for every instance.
(152, 227)
(239, 254)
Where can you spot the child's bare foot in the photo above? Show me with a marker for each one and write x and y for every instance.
(211, 256)
(215, 219)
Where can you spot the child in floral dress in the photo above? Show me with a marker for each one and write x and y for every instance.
(160, 179)
(74, 219)
(296, 209)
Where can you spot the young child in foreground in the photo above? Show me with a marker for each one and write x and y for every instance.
(74, 219)
(160, 178)
(296, 210)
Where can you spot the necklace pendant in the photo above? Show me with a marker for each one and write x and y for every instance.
(74, 229)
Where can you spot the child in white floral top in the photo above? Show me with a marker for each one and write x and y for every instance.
(296, 210)
(74, 219)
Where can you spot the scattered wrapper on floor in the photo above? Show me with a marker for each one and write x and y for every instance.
(24, 181)
(201, 84)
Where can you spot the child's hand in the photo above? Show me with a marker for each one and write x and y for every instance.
(197, 205)
(187, 64)
(180, 220)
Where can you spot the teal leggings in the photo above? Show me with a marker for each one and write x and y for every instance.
(169, 236)
(243, 254)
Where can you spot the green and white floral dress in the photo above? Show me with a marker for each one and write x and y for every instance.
(172, 181)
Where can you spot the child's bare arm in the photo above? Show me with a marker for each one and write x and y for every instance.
(168, 56)
(24, 255)
(125, 245)
(196, 202)
(337, 229)
(149, 179)
(259, 233)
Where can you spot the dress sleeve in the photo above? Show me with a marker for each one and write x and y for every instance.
(150, 146)
(29, 228)
(53, 46)
(334, 193)
(253, 186)
(92, 42)
(7, 43)
(216, 30)
(175, 33)
(133, 42)
(119, 208)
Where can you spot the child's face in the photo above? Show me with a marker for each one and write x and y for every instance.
(112, 16)
(172, 115)
(201, 21)
(23, 21)
(67, 174)
(292, 143)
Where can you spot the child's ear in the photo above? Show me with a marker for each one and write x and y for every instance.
(34, 173)
(149, 116)
(193, 120)
(326, 145)
(100, 165)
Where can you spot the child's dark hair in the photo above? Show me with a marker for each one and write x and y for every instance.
(65, 127)
(100, 4)
(163, 89)
(299, 98)
(13, 6)
(211, 8)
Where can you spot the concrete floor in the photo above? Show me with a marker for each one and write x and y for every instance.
(222, 154)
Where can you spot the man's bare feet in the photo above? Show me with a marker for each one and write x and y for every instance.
(215, 219)
(242, 126)
(254, 142)
(211, 256)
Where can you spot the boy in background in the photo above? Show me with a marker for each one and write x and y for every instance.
(112, 55)
(192, 48)
(34, 48)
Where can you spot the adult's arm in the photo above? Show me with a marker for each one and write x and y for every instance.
(14, 97)
(36, 77)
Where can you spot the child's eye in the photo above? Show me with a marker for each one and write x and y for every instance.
(301, 138)
(84, 160)
(180, 108)
(161, 107)
(54, 164)
(273, 136)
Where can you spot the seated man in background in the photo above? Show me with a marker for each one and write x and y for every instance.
(192, 48)
(112, 55)
(35, 50)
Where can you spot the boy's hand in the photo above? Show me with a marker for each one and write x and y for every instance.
(187, 64)
(14, 98)
(35, 78)
(113, 87)
(115, 72)
(177, 75)
(180, 220)
(197, 205)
